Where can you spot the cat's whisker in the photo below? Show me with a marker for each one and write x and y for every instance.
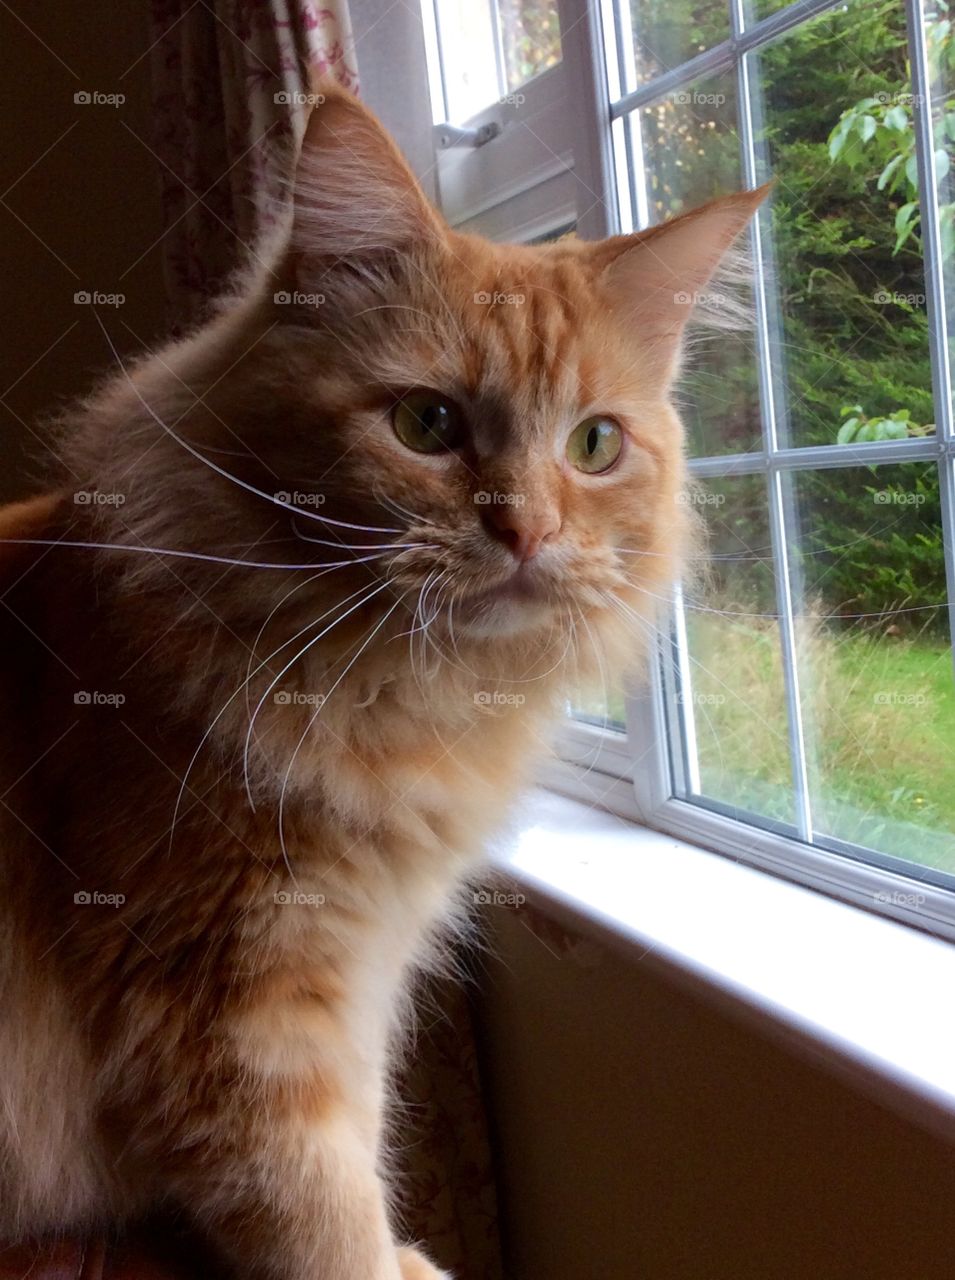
(315, 714)
(300, 654)
(395, 508)
(374, 546)
(225, 706)
(697, 607)
(214, 466)
(262, 629)
(205, 557)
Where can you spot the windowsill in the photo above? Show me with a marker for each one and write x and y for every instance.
(871, 997)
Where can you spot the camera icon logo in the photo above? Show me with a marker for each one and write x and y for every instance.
(82, 98)
(82, 698)
(83, 898)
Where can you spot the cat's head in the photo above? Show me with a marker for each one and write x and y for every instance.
(502, 413)
(510, 403)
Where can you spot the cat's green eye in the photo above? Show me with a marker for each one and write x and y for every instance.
(427, 422)
(594, 445)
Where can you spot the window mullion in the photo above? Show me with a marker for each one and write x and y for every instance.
(936, 302)
(771, 403)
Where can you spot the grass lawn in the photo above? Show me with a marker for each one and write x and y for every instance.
(879, 722)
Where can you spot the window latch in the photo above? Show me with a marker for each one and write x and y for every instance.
(450, 135)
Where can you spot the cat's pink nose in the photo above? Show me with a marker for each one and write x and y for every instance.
(521, 532)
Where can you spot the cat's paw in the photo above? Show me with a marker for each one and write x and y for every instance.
(415, 1266)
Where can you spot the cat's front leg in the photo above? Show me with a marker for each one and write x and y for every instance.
(283, 1181)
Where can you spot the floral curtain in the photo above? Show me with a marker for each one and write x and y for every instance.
(231, 90)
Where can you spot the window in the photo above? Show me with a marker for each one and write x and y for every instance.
(802, 711)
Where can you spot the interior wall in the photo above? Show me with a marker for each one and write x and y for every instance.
(642, 1135)
(390, 53)
(80, 209)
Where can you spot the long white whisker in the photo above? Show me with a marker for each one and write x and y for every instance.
(313, 718)
(305, 648)
(214, 466)
(185, 555)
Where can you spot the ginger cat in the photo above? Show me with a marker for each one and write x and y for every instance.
(323, 575)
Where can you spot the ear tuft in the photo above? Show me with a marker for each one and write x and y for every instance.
(655, 279)
(354, 194)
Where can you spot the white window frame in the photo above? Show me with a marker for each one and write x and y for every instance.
(575, 114)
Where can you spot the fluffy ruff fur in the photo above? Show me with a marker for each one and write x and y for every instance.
(280, 680)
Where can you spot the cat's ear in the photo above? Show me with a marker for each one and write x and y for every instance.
(354, 195)
(654, 279)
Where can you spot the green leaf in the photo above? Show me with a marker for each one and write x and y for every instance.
(942, 165)
(851, 408)
(896, 118)
(912, 170)
(867, 128)
(888, 171)
(847, 431)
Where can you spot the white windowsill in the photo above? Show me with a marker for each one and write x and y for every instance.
(871, 997)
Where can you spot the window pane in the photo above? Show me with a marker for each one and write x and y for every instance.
(489, 50)
(757, 9)
(875, 661)
(530, 39)
(940, 42)
(668, 32)
(731, 694)
(834, 123)
(686, 151)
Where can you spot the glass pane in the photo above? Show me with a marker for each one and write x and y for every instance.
(668, 32)
(688, 151)
(757, 9)
(488, 51)
(940, 42)
(732, 689)
(530, 39)
(875, 661)
(833, 115)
